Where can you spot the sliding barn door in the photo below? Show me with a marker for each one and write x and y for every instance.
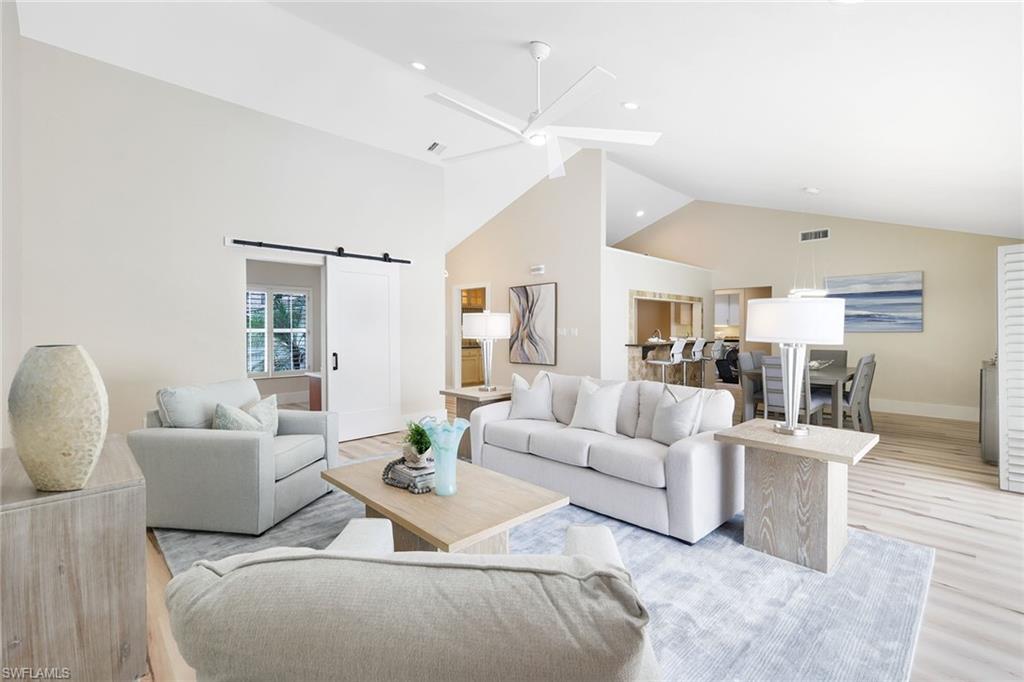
(362, 358)
(1011, 367)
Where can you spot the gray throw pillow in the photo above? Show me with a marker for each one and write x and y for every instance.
(531, 403)
(228, 418)
(597, 407)
(675, 419)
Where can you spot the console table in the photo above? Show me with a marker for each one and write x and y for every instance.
(795, 489)
(74, 570)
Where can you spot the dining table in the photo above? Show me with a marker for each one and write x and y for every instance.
(833, 377)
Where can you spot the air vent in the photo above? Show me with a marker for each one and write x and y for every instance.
(437, 148)
(814, 235)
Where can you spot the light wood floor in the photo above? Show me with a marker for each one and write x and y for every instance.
(925, 482)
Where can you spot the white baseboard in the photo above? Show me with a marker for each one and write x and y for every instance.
(293, 397)
(416, 416)
(961, 412)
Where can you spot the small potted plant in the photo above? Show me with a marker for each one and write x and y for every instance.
(416, 447)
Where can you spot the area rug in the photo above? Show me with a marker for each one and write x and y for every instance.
(719, 611)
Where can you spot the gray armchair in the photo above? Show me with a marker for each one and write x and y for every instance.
(198, 478)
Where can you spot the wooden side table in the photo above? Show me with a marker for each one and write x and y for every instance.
(74, 570)
(795, 489)
(468, 399)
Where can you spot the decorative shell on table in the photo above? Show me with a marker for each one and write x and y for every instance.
(59, 413)
(415, 459)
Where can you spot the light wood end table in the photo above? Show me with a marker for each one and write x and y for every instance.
(468, 399)
(795, 489)
(475, 520)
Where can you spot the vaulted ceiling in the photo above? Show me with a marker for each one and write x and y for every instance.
(898, 112)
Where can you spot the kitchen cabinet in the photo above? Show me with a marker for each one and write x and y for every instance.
(472, 367)
(727, 310)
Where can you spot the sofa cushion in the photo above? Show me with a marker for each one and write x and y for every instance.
(639, 460)
(564, 389)
(292, 453)
(569, 445)
(514, 434)
(192, 407)
(531, 402)
(597, 407)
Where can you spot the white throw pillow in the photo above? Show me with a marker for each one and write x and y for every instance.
(258, 416)
(531, 403)
(675, 419)
(597, 407)
(265, 411)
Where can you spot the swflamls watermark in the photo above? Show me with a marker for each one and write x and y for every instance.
(26, 673)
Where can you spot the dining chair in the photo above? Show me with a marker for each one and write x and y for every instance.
(838, 357)
(812, 405)
(751, 384)
(675, 357)
(758, 356)
(855, 401)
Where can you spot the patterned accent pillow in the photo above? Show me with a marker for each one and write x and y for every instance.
(228, 418)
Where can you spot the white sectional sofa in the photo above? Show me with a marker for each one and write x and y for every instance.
(685, 490)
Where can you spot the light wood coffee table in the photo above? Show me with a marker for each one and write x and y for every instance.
(795, 489)
(475, 520)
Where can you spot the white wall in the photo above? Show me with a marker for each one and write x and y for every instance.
(10, 208)
(129, 185)
(622, 271)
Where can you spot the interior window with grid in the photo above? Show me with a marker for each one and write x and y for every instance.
(284, 329)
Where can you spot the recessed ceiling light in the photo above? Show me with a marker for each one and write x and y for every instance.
(640, 213)
(812, 190)
(632, 106)
(419, 66)
(538, 139)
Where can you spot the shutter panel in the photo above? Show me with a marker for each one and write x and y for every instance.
(1011, 367)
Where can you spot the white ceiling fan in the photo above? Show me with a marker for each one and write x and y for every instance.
(539, 130)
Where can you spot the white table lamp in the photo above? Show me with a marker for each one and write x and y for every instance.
(486, 327)
(793, 323)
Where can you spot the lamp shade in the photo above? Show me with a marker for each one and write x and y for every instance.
(816, 321)
(486, 325)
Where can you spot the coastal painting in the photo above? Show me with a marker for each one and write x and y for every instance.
(890, 302)
(533, 308)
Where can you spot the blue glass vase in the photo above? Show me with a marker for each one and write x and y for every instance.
(444, 442)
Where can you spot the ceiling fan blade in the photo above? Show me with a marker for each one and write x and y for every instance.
(577, 94)
(473, 112)
(481, 152)
(606, 135)
(555, 167)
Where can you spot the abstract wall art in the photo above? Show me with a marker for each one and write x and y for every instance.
(533, 308)
(890, 302)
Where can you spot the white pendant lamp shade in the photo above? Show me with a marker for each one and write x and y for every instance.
(811, 321)
(486, 325)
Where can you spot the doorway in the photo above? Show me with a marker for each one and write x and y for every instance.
(467, 356)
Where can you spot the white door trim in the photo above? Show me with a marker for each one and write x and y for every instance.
(456, 331)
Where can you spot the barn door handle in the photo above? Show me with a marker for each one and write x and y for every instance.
(334, 356)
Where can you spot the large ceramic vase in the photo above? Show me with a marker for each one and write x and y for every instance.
(59, 413)
(444, 441)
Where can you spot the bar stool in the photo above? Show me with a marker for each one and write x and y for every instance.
(675, 357)
(696, 355)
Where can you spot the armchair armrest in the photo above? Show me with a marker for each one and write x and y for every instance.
(594, 542)
(478, 420)
(291, 422)
(369, 536)
(704, 482)
(205, 479)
